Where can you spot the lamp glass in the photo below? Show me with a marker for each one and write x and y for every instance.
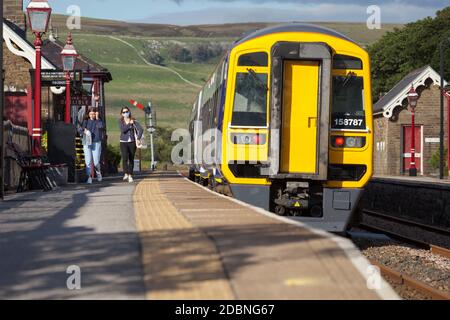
(39, 20)
(69, 62)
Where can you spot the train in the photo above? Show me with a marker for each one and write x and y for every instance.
(286, 117)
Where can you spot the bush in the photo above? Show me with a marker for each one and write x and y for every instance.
(180, 53)
(205, 52)
(435, 160)
(162, 145)
(154, 57)
(200, 53)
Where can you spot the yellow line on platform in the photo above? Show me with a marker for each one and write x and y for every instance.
(179, 260)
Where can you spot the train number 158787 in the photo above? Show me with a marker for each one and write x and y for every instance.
(348, 122)
(342, 121)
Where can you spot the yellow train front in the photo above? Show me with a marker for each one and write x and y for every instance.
(288, 113)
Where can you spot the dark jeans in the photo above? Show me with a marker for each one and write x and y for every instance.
(128, 150)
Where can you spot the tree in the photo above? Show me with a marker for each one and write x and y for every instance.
(200, 53)
(180, 53)
(205, 51)
(403, 50)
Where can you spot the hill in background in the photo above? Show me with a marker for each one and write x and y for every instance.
(356, 31)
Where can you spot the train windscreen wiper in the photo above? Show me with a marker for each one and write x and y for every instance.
(255, 77)
(350, 76)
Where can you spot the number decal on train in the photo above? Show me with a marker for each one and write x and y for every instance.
(348, 122)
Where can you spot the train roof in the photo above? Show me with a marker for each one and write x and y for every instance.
(293, 27)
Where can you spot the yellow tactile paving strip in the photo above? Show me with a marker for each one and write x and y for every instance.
(180, 262)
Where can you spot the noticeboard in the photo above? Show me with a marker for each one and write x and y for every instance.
(57, 78)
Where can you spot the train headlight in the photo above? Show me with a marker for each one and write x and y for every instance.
(248, 138)
(348, 142)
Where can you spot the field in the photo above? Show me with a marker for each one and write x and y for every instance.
(171, 97)
(133, 78)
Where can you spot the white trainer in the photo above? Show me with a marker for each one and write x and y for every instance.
(125, 177)
(99, 177)
(89, 181)
(130, 179)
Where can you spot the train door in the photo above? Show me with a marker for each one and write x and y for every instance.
(300, 111)
(406, 155)
(299, 117)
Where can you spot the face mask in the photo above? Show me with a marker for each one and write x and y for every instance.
(126, 114)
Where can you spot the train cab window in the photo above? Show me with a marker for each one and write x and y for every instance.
(255, 59)
(348, 102)
(341, 61)
(250, 100)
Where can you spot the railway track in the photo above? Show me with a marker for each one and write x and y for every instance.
(417, 234)
(422, 235)
(403, 279)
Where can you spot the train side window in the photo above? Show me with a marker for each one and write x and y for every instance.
(341, 61)
(348, 102)
(250, 100)
(254, 59)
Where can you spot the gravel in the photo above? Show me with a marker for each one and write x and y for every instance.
(420, 264)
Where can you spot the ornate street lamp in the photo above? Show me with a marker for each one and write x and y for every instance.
(69, 58)
(412, 101)
(38, 12)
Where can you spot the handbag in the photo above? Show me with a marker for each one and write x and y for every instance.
(140, 143)
(87, 139)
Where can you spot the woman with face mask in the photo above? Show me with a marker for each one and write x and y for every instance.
(129, 129)
(91, 130)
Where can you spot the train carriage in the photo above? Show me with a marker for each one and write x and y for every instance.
(287, 114)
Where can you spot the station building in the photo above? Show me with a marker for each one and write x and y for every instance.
(19, 58)
(392, 126)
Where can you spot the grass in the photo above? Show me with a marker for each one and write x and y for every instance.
(133, 79)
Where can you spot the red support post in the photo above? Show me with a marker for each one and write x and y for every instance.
(412, 168)
(37, 131)
(68, 98)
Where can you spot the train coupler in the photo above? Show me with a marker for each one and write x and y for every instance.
(290, 204)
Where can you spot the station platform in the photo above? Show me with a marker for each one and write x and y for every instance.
(164, 237)
(419, 180)
(420, 199)
(197, 244)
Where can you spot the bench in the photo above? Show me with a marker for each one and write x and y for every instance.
(34, 169)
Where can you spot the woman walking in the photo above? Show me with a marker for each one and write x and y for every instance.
(91, 130)
(130, 130)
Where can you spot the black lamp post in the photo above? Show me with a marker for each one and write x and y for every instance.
(412, 101)
(442, 46)
(38, 12)
(69, 57)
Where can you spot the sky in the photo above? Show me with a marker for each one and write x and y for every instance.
(186, 12)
